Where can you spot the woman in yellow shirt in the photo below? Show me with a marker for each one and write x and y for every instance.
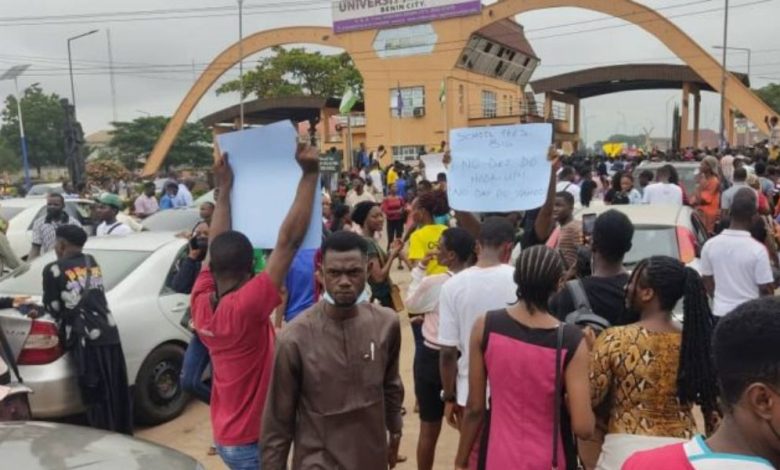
(430, 211)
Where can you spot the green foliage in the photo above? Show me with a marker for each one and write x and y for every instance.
(44, 125)
(133, 141)
(296, 72)
(104, 170)
(771, 96)
(9, 160)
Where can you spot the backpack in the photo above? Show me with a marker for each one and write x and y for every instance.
(583, 314)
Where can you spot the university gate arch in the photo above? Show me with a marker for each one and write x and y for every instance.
(455, 32)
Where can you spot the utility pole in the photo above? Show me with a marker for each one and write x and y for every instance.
(111, 75)
(241, 61)
(723, 114)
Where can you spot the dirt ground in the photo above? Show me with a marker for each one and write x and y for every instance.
(191, 432)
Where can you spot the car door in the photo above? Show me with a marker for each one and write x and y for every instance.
(173, 304)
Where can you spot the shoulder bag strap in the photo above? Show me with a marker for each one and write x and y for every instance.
(579, 296)
(113, 227)
(8, 355)
(558, 393)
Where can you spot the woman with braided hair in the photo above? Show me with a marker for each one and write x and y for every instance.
(651, 372)
(514, 351)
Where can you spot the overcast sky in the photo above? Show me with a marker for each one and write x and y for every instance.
(167, 45)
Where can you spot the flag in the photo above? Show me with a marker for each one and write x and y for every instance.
(443, 93)
(400, 103)
(348, 101)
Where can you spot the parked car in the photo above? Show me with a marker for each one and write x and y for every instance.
(675, 231)
(42, 189)
(21, 213)
(136, 270)
(206, 197)
(172, 220)
(35, 445)
(687, 171)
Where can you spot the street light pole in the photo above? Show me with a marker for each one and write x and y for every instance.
(241, 62)
(13, 74)
(743, 49)
(70, 66)
(723, 77)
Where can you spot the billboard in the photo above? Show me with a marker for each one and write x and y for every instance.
(353, 15)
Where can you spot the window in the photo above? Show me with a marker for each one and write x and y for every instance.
(488, 104)
(411, 97)
(405, 153)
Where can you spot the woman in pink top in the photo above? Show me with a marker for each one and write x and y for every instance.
(456, 253)
(514, 351)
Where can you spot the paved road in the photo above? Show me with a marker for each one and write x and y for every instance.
(191, 432)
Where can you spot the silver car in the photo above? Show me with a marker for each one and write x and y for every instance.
(136, 270)
(38, 446)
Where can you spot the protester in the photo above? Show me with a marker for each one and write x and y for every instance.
(441, 182)
(707, 200)
(376, 180)
(519, 351)
(428, 212)
(735, 267)
(169, 195)
(206, 212)
(369, 217)
(184, 194)
(341, 218)
(650, 373)
(740, 181)
(569, 232)
(767, 185)
(674, 178)
(299, 287)
(663, 191)
(456, 253)
(393, 208)
(108, 206)
(747, 362)
(44, 229)
(358, 194)
(566, 183)
(605, 288)
(231, 310)
(68, 191)
(146, 204)
(73, 294)
(645, 178)
(488, 285)
(754, 183)
(588, 187)
(628, 194)
(364, 158)
(336, 392)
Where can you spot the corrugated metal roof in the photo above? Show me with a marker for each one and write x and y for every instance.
(510, 34)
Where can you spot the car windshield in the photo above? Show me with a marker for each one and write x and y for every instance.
(9, 213)
(115, 264)
(651, 241)
(174, 220)
(44, 189)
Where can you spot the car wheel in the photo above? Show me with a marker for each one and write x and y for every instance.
(158, 395)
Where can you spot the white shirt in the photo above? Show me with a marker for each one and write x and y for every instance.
(663, 193)
(183, 197)
(465, 297)
(117, 228)
(739, 265)
(376, 181)
(353, 198)
(571, 188)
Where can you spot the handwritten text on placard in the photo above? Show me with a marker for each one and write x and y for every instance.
(499, 169)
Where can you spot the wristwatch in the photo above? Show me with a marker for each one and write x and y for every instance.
(447, 398)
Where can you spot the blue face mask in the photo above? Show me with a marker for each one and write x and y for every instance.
(364, 297)
(442, 219)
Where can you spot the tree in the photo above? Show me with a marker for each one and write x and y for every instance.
(9, 161)
(44, 121)
(133, 141)
(295, 72)
(771, 96)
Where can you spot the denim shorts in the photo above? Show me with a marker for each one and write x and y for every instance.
(246, 457)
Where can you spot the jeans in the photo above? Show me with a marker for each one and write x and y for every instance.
(246, 457)
(196, 359)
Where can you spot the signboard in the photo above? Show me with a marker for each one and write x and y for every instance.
(408, 41)
(353, 15)
(434, 164)
(330, 163)
(499, 168)
(265, 180)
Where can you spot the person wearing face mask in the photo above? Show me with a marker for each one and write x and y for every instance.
(747, 361)
(44, 229)
(336, 392)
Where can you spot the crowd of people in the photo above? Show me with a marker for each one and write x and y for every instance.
(532, 338)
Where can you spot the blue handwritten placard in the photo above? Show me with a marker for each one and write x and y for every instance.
(265, 181)
(500, 168)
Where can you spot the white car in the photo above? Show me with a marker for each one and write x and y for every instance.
(136, 270)
(675, 231)
(21, 213)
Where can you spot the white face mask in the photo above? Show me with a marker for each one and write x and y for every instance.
(365, 296)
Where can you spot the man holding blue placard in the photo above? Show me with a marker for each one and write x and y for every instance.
(231, 310)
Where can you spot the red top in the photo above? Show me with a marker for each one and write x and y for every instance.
(240, 340)
(672, 457)
(393, 207)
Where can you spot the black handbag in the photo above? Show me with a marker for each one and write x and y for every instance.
(583, 314)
